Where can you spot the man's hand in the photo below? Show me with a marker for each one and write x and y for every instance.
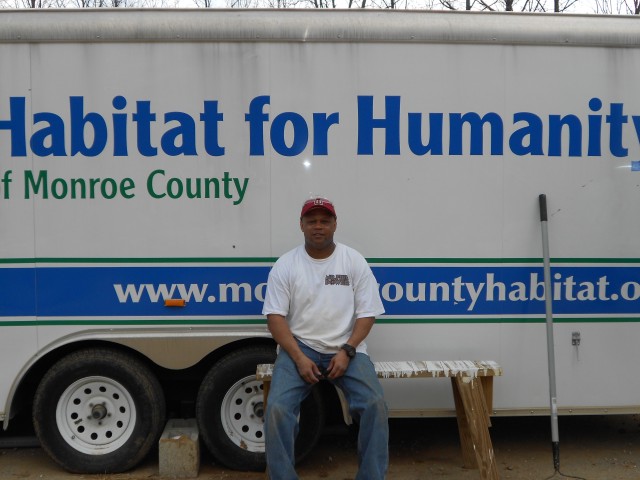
(281, 333)
(338, 365)
(307, 369)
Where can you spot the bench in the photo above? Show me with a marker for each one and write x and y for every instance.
(472, 383)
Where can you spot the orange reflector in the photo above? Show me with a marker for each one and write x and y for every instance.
(174, 302)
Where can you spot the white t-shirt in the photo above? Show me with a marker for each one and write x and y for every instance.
(321, 299)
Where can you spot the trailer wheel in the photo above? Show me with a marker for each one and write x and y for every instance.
(98, 411)
(230, 412)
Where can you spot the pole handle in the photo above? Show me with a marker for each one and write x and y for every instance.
(543, 207)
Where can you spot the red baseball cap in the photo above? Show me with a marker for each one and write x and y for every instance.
(318, 202)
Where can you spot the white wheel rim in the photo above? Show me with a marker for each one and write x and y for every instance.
(242, 414)
(96, 415)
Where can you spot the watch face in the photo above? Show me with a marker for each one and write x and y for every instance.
(351, 352)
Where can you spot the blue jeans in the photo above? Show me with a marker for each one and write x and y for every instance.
(366, 404)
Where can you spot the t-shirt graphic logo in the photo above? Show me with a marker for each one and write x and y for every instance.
(337, 280)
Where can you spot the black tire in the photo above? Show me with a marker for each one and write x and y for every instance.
(98, 411)
(230, 412)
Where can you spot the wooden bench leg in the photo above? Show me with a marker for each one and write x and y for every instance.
(473, 424)
(487, 388)
(266, 385)
(468, 452)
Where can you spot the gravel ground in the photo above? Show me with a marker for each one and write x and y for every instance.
(591, 447)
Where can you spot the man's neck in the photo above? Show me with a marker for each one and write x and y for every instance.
(320, 254)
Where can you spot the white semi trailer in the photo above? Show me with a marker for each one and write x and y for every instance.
(153, 165)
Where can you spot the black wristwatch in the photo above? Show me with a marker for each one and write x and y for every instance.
(351, 351)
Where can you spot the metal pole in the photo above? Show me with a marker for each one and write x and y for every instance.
(548, 300)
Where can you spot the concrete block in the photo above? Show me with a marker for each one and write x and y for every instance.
(179, 449)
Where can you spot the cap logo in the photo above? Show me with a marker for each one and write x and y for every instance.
(318, 202)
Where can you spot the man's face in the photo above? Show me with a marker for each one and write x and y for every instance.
(318, 227)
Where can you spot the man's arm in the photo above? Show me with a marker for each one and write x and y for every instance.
(281, 333)
(360, 331)
(340, 362)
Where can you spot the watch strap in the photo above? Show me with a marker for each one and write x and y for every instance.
(350, 350)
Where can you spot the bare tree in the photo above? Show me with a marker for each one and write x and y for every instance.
(510, 5)
(28, 4)
(426, 5)
(617, 7)
(23, 4)
(322, 3)
(280, 3)
(482, 5)
(243, 3)
(602, 7)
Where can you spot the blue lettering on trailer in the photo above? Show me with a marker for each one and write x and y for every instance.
(603, 132)
(233, 291)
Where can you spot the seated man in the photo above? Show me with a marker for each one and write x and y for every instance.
(321, 303)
